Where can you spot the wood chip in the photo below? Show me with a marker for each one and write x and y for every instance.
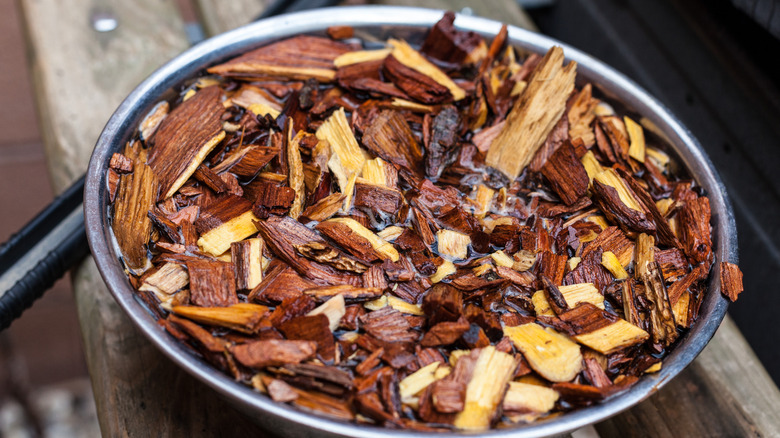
(533, 115)
(730, 280)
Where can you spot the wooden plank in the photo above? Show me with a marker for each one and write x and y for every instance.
(80, 77)
(724, 392)
(221, 16)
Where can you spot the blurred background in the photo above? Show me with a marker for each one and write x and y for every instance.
(712, 62)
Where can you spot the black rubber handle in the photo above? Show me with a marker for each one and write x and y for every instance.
(41, 252)
(42, 276)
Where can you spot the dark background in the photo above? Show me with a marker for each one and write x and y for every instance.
(716, 70)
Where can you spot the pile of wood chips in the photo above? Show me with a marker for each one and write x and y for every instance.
(445, 238)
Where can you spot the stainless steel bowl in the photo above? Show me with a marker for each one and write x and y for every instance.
(380, 22)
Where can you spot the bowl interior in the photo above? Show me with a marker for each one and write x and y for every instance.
(375, 24)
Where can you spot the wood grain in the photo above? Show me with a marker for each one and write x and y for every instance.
(222, 16)
(80, 77)
(724, 392)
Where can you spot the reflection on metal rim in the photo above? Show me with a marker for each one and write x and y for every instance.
(379, 22)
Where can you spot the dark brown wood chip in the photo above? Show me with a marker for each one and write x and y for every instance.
(730, 280)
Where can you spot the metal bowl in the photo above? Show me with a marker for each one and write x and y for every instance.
(378, 23)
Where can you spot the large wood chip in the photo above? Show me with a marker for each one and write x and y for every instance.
(298, 58)
(534, 114)
(185, 138)
(226, 220)
(131, 224)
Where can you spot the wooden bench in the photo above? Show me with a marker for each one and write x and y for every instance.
(80, 77)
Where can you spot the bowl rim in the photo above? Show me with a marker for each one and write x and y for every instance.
(124, 121)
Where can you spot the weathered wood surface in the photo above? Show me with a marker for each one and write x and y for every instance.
(82, 75)
(724, 392)
(220, 16)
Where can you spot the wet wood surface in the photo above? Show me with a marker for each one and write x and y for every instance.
(81, 75)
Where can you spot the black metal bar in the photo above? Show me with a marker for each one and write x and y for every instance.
(285, 6)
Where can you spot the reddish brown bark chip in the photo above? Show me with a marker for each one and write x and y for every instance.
(448, 45)
(212, 283)
(445, 333)
(340, 32)
(388, 325)
(184, 138)
(378, 199)
(374, 277)
(272, 352)
(389, 136)
(132, 226)
(279, 283)
(418, 86)
(311, 328)
(298, 58)
(587, 318)
(356, 245)
(730, 280)
(281, 234)
(292, 308)
(607, 199)
(552, 266)
(614, 240)
(210, 342)
(442, 303)
(566, 174)
(370, 362)
(120, 163)
(272, 199)
(448, 396)
(694, 220)
(219, 211)
(672, 263)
